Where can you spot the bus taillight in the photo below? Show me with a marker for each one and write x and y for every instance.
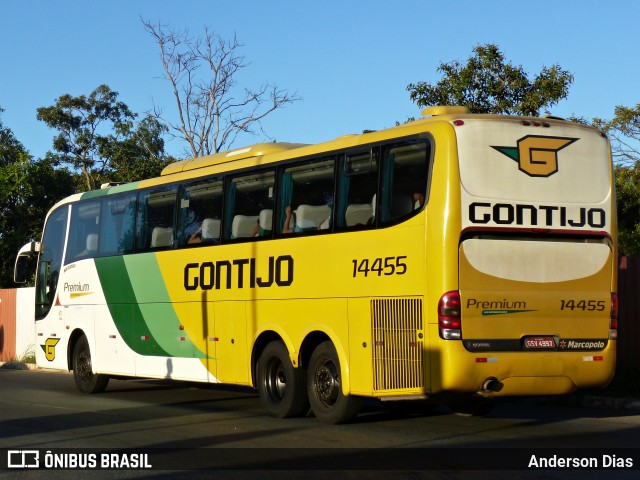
(613, 319)
(449, 316)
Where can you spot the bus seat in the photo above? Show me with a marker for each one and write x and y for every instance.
(161, 237)
(265, 219)
(243, 226)
(309, 217)
(92, 243)
(210, 229)
(358, 214)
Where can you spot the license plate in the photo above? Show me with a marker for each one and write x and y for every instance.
(539, 343)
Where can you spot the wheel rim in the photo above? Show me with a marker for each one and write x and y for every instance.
(275, 381)
(327, 383)
(84, 366)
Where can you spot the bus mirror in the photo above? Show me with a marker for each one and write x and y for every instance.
(24, 260)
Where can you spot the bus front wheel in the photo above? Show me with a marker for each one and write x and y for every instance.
(281, 386)
(324, 387)
(86, 380)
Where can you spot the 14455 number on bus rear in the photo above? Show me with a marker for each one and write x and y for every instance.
(584, 305)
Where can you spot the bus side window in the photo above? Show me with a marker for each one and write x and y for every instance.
(306, 197)
(358, 183)
(249, 200)
(83, 231)
(118, 221)
(200, 213)
(155, 219)
(404, 180)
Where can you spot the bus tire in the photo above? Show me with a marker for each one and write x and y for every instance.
(280, 385)
(324, 388)
(86, 380)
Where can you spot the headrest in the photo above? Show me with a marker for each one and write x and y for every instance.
(243, 225)
(358, 214)
(92, 242)
(161, 237)
(311, 216)
(266, 219)
(210, 228)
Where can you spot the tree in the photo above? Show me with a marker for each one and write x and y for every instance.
(81, 122)
(628, 206)
(12, 155)
(489, 84)
(98, 136)
(10, 147)
(624, 133)
(140, 155)
(212, 108)
(28, 189)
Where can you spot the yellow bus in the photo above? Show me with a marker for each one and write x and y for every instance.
(458, 258)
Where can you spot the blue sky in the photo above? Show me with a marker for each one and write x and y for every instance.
(350, 60)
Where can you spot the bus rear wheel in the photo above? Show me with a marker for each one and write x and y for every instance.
(281, 386)
(324, 387)
(86, 380)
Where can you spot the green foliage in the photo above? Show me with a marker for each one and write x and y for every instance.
(624, 132)
(98, 136)
(139, 155)
(12, 179)
(489, 84)
(86, 126)
(28, 189)
(10, 147)
(628, 201)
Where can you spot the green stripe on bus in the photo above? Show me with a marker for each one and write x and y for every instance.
(121, 300)
(156, 306)
(126, 187)
(140, 306)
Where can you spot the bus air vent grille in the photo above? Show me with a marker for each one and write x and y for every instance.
(397, 343)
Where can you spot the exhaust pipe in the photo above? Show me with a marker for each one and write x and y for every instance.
(491, 384)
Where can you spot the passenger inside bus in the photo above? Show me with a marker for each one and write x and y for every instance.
(91, 247)
(209, 231)
(307, 218)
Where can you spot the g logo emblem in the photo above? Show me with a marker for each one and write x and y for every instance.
(537, 156)
(49, 348)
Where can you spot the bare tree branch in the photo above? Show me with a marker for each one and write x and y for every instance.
(212, 108)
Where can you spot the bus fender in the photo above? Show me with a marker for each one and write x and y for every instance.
(272, 332)
(343, 355)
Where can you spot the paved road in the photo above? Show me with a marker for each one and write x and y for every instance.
(43, 410)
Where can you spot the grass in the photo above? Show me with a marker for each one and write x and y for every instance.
(29, 356)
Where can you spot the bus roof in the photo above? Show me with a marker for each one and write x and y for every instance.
(281, 150)
(257, 150)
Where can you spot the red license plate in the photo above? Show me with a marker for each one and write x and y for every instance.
(539, 343)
